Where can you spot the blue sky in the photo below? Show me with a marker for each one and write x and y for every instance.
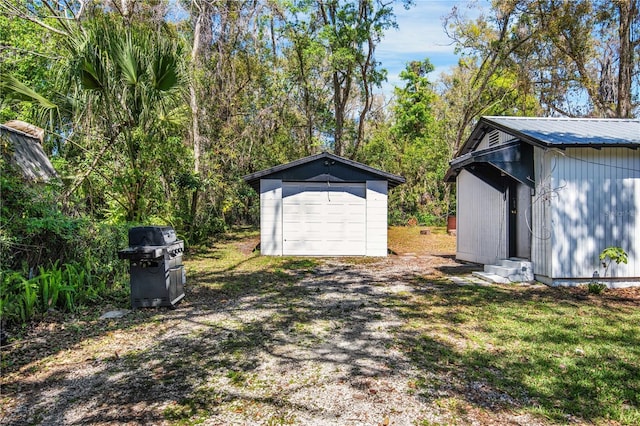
(420, 34)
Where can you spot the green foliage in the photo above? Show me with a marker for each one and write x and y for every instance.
(412, 147)
(64, 288)
(120, 87)
(25, 56)
(596, 287)
(613, 254)
(50, 259)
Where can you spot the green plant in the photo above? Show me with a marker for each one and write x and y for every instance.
(28, 299)
(10, 296)
(65, 287)
(50, 284)
(612, 254)
(596, 287)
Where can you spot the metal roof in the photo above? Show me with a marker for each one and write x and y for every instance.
(567, 132)
(323, 167)
(560, 132)
(548, 132)
(28, 154)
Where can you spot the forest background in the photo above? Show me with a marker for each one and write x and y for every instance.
(152, 117)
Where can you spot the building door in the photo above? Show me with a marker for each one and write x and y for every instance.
(324, 219)
(519, 214)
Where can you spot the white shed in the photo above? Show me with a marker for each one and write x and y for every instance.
(323, 205)
(551, 191)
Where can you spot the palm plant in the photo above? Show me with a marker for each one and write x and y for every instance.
(121, 86)
(131, 81)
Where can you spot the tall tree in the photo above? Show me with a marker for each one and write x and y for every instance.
(309, 91)
(352, 31)
(25, 52)
(487, 49)
(578, 57)
(123, 85)
(411, 145)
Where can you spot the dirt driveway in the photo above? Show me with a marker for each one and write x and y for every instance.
(256, 341)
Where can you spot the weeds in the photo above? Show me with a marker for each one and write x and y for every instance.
(596, 288)
(60, 287)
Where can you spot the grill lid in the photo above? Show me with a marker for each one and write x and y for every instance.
(151, 236)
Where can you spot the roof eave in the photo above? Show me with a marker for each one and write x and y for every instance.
(253, 179)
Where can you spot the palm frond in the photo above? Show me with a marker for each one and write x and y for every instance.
(128, 59)
(90, 75)
(164, 71)
(14, 89)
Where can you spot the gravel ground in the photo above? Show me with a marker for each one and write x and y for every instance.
(310, 347)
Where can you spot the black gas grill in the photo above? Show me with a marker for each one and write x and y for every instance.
(157, 274)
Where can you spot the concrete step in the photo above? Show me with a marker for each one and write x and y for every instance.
(513, 270)
(513, 263)
(503, 271)
(492, 278)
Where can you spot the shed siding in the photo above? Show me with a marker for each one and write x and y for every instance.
(377, 217)
(271, 217)
(541, 236)
(595, 201)
(481, 221)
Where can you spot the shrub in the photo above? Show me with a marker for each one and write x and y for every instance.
(596, 288)
(64, 288)
(50, 258)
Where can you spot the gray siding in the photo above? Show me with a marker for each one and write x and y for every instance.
(594, 197)
(541, 235)
(481, 221)
(502, 138)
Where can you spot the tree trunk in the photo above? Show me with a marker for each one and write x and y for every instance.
(628, 11)
(193, 102)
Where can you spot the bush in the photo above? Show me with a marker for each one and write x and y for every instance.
(64, 288)
(51, 259)
(596, 288)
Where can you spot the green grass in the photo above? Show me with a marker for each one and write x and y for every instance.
(553, 352)
(556, 354)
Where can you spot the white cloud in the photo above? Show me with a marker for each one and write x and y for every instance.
(420, 34)
(420, 29)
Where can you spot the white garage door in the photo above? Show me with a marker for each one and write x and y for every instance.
(321, 219)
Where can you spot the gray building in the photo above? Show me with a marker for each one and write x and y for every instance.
(551, 191)
(323, 205)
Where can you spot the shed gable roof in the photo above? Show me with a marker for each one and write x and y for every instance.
(515, 159)
(560, 132)
(323, 167)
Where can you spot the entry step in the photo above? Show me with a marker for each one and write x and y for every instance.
(512, 270)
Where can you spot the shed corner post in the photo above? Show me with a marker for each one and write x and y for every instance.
(271, 217)
(376, 233)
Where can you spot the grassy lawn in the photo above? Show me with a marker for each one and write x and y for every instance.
(560, 354)
(544, 351)
(279, 340)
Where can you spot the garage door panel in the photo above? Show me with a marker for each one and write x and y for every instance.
(321, 219)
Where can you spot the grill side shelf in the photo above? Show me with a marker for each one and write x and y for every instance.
(134, 253)
(151, 252)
